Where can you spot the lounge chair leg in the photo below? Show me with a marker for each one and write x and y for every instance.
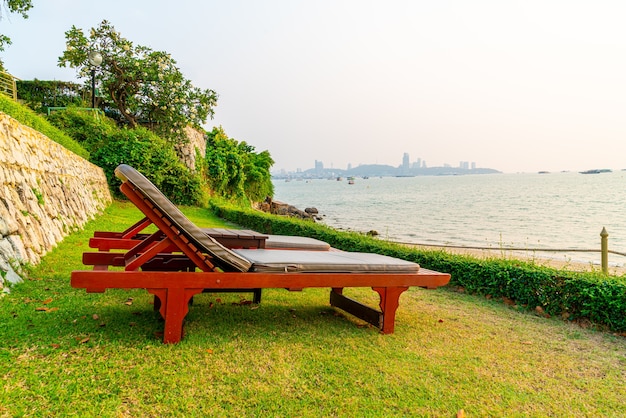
(174, 308)
(389, 300)
(256, 299)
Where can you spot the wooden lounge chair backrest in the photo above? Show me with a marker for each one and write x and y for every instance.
(220, 255)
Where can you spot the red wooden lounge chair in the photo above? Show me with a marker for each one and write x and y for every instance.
(180, 260)
(230, 238)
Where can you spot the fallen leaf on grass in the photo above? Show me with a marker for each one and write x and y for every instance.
(46, 309)
(242, 302)
(208, 350)
(527, 342)
(95, 317)
(55, 345)
(47, 301)
(460, 414)
(84, 340)
(128, 302)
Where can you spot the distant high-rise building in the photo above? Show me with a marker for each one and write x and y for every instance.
(349, 166)
(405, 161)
(319, 166)
(473, 165)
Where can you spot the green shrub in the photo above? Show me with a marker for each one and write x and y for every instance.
(234, 171)
(28, 117)
(40, 95)
(153, 157)
(574, 295)
(87, 127)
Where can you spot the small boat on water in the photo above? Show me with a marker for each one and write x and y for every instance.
(596, 171)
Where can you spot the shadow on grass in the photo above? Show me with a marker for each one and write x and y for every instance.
(127, 317)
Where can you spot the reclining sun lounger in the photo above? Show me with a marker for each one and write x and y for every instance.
(206, 264)
(230, 238)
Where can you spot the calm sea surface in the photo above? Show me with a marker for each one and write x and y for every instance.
(531, 211)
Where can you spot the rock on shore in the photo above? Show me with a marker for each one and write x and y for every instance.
(284, 209)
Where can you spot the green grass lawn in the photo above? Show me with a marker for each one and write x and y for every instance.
(66, 352)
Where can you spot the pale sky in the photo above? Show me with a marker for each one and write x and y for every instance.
(512, 85)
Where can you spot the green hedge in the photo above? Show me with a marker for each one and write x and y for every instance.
(42, 94)
(591, 296)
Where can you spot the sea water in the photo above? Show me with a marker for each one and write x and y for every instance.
(537, 212)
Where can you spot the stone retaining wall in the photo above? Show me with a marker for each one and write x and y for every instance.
(46, 192)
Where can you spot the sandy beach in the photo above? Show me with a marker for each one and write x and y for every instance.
(550, 259)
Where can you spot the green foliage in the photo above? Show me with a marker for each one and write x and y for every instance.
(575, 295)
(40, 95)
(28, 117)
(147, 152)
(144, 86)
(235, 171)
(86, 127)
(258, 178)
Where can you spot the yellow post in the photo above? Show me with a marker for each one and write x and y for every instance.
(604, 247)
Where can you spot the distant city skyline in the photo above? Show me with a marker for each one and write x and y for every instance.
(404, 164)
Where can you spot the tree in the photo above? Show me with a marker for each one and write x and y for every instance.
(13, 6)
(235, 171)
(145, 86)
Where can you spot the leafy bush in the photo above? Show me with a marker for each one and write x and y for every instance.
(234, 171)
(30, 118)
(153, 157)
(111, 146)
(40, 95)
(574, 295)
(86, 127)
